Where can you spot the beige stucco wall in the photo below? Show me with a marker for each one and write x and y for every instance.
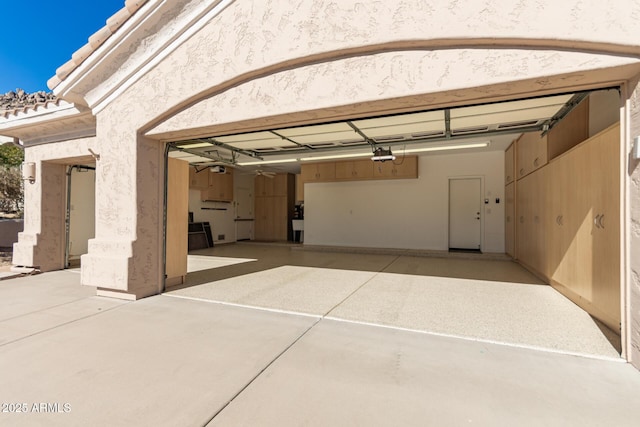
(42, 243)
(634, 199)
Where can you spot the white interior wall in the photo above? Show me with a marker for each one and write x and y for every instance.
(408, 213)
(82, 213)
(222, 218)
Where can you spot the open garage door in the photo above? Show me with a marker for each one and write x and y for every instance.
(381, 185)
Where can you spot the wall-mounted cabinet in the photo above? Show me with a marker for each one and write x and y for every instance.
(199, 180)
(531, 153)
(318, 172)
(220, 188)
(354, 169)
(401, 168)
(359, 170)
(570, 131)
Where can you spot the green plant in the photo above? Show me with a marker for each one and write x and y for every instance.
(10, 155)
(11, 189)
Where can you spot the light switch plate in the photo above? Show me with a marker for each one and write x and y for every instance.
(635, 150)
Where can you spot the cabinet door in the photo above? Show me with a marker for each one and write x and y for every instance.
(318, 172)
(524, 220)
(220, 188)
(604, 153)
(261, 221)
(354, 169)
(279, 217)
(531, 153)
(509, 164)
(299, 188)
(404, 168)
(510, 225)
(279, 184)
(199, 180)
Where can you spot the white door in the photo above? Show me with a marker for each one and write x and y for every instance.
(464, 213)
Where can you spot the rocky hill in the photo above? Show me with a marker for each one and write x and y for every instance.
(19, 99)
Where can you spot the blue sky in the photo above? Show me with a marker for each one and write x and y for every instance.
(41, 35)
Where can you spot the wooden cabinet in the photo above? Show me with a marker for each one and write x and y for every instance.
(403, 168)
(299, 188)
(199, 180)
(220, 188)
(318, 172)
(585, 248)
(177, 221)
(530, 227)
(354, 169)
(274, 206)
(509, 164)
(531, 153)
(570, 131)
(510, 219)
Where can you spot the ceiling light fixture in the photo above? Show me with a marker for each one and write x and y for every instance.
(196, 145)
(335, 156)
(382, 155)
(266, 162)
(447, 147)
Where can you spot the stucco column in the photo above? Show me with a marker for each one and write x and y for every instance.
(634, 196)
(124, 258)
(41, 244)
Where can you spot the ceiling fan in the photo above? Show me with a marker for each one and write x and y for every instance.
(260, 172)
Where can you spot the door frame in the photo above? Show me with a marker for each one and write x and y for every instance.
(482, 213)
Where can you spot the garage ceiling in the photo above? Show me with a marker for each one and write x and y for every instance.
(497, 124)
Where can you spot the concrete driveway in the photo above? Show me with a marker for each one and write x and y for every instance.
(69, 358)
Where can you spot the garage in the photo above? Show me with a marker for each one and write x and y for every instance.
(500, 132)
(432, 208)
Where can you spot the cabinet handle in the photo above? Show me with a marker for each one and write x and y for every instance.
(559, 220)
(521, 220)
(600, 221)
(508, 178)
(508, 219)
(536, 162)
(521, 171)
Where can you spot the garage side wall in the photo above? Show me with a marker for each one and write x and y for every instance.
(634, 190)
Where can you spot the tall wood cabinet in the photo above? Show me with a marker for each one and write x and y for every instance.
(510, 219)
(274, 206)
(568, 224)
(584, 225)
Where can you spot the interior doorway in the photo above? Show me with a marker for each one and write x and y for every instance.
(465, 220)
(80, 213)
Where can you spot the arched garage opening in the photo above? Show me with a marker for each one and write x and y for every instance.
(353, 205)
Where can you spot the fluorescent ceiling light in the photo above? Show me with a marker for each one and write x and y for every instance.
(335, 156)
(266, 162)
(447, 147)
(196, 145)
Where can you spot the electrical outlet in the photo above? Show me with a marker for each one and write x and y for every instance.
(220, 236)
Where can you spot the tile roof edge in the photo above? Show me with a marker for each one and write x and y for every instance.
(95, 41)
(49, 104)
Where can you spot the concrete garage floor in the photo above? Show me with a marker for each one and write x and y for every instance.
(168, 361)
(473, 298)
